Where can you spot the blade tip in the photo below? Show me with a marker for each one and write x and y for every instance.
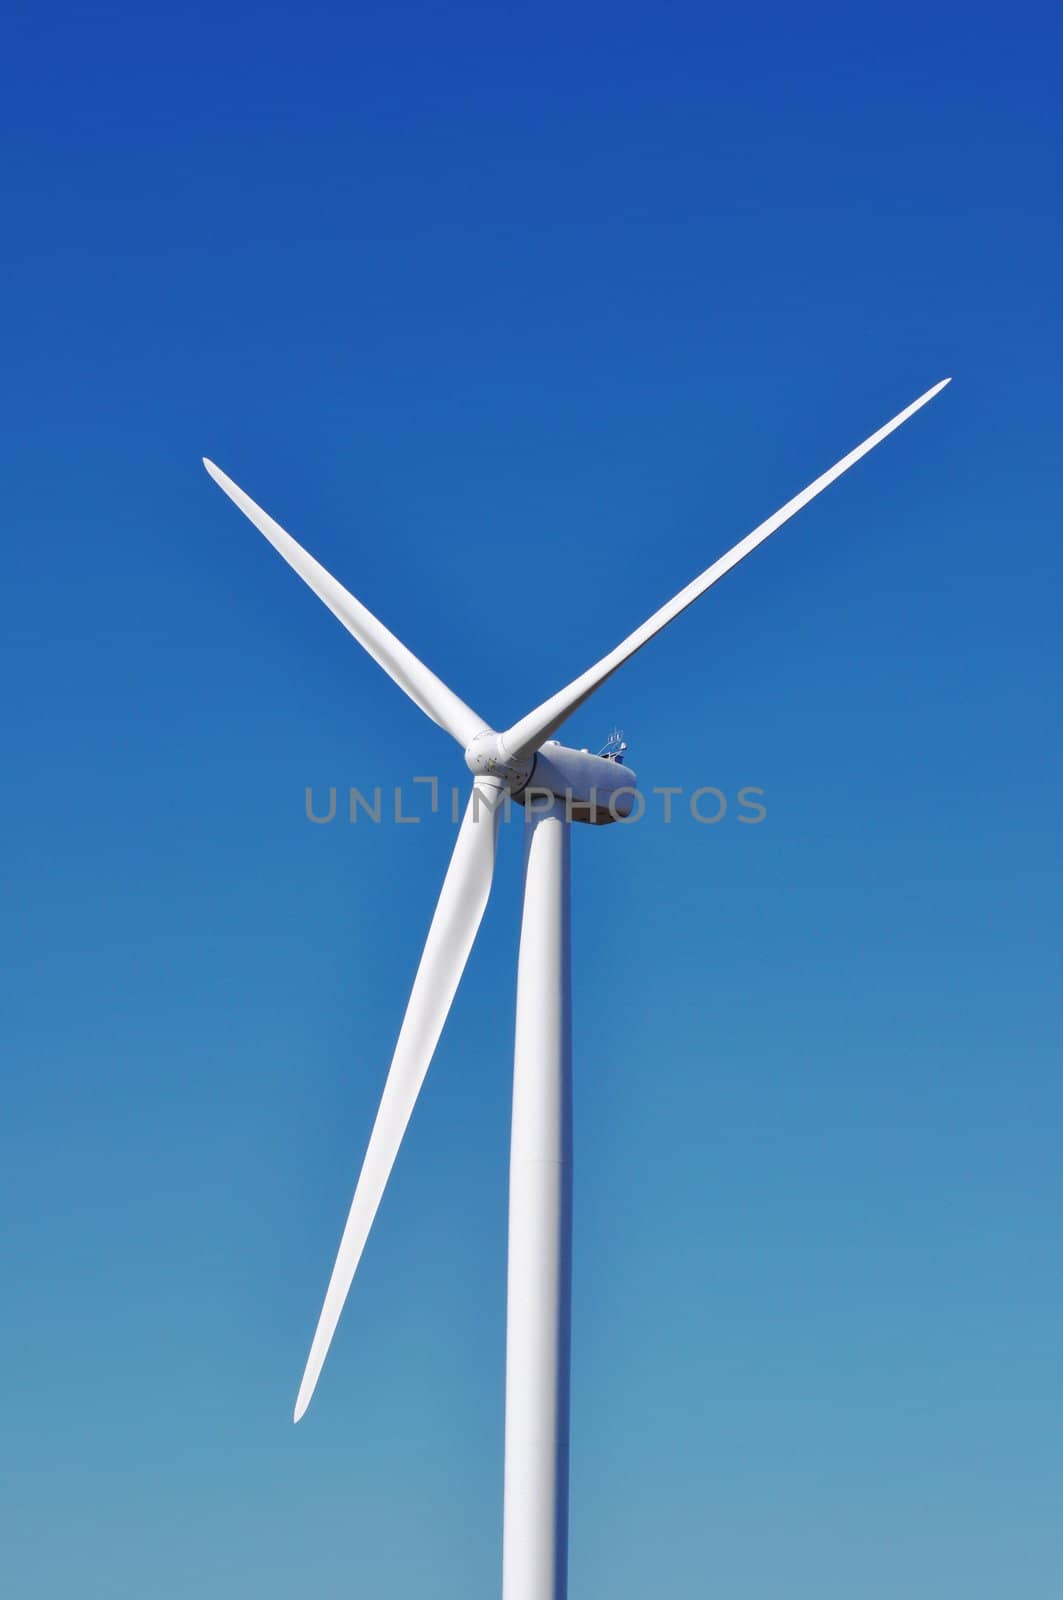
(304, 1397)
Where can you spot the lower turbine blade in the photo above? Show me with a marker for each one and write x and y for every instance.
(457, 918)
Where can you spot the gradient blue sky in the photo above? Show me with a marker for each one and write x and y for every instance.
(518, 320)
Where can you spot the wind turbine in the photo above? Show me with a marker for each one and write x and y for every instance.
(557, 786)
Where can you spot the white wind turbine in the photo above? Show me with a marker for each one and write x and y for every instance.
(558, 785)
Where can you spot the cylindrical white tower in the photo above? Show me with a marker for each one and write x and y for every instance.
(535, 1531)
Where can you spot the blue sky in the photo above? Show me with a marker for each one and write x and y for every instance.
(517, 321)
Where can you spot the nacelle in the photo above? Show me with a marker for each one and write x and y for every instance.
(590, 786)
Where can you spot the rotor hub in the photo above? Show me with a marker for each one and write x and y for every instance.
(485, 758)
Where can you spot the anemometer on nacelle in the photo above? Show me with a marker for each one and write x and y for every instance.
(615, 747)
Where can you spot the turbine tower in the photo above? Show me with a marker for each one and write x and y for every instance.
(557, 786)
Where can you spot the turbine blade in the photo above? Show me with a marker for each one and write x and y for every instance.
(525, 737)
(400, 664)
(457, 918)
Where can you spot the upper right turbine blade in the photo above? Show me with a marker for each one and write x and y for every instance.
(525, 737)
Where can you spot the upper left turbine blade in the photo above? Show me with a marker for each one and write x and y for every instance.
(400, 664)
